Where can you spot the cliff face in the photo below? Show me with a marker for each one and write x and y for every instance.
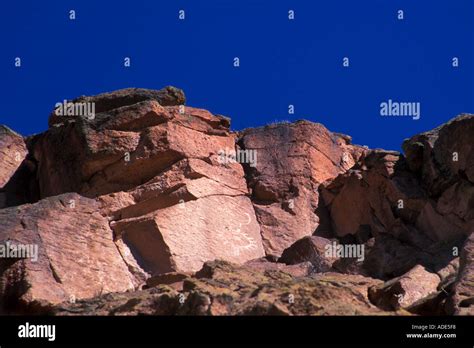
(154, 202)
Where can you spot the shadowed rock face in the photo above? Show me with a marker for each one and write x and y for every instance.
(17, 185)
(382, 203)
(12, 152)
(168, 96)
(443, 156)
(131, 206)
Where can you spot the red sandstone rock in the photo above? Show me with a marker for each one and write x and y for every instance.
(76, 257)
(183, 236)
(105, 102)
(293, 159)
(14, 169)
(381, 198)
(12, 152)
(156, 170)
(221, 288)
(404, 291)
(371, 197)
(164, 201)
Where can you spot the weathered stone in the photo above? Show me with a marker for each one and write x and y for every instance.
(15, 170)
(161, 300)
(183, 236)
(238, 290)
(156, 170)
(12, 153)
(302, 269)
(404, 291)
(221, 288)
(168, 96)
(104, 160)
(167, 197)
(369, 199)
(450, 271)
(173, 279)
(381, 199)
(76, 257)
(443, 155)
(311, 249)
(292, 160)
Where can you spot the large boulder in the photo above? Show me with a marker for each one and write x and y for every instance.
(314, 250)
(104, 102)
(292, 160)
(124, 147)
(156, 168)
(404, 291)
(182, 237)
(59, 249)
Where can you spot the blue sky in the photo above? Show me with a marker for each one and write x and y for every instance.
(282, 62)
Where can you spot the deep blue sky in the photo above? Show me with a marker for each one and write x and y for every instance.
(282, 62)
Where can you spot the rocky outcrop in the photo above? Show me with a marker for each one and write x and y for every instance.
(404, 291)
(60, 249)
(380, 202)
(220, 288)
(302, 269)
(443, 156)
(375, 192)
(293, 160)
(139, 204)
(443, 159)
(168, 96)
(155, 167)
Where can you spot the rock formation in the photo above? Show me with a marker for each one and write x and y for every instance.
(148, 206)
(404, 291)
(76, 255)
(221, 288)
(293, 159)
